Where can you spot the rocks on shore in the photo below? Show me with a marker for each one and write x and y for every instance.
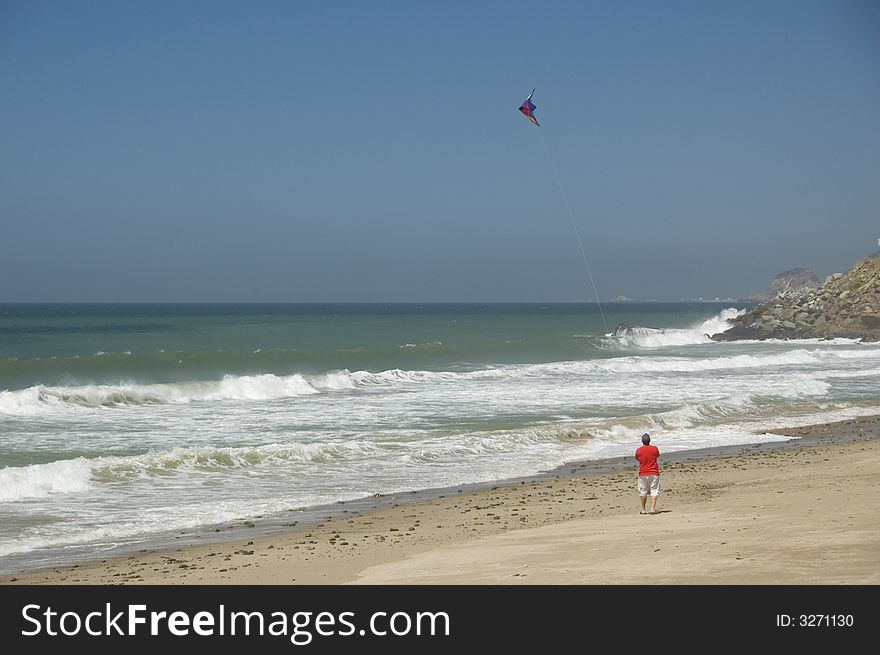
(847, 305)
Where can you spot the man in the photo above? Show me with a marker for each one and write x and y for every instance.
(649, 473)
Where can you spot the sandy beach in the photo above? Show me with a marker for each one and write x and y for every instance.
(803, 511)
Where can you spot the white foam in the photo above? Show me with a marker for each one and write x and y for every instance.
(207, 459)
(23, 402)
(333, 380)
(400, 376)
(258, 387)
(661, 364)
(867, 373)
(40, 399)
(41, 480)
(665, 337)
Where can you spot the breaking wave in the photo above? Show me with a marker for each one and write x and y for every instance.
(266, 387)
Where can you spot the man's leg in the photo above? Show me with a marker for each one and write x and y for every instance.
(643, 492)
(653, 503)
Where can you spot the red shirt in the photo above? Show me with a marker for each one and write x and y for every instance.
(647, 456)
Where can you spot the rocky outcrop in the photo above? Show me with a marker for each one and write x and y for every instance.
(846, 305)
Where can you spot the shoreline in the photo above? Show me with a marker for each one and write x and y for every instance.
(422, 536)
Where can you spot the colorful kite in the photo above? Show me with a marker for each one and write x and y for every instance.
(527, 108)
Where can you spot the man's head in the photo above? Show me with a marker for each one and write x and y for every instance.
(646, 438)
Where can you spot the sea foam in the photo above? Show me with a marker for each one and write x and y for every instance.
(41, 480)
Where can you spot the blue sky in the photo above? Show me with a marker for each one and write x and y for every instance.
(353, 151)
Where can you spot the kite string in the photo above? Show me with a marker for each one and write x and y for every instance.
(576, 232)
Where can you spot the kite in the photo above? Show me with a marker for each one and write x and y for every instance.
(527, 108)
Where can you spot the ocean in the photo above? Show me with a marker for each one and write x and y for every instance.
(125, 426)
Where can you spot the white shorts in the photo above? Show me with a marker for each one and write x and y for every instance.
(649, 483)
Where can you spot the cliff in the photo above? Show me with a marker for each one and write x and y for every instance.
(846, 305)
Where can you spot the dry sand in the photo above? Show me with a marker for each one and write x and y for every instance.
(798, 512)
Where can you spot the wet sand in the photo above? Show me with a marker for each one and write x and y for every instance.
(803, 511)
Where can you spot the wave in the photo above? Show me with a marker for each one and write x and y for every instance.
(268, 386)
(231, 387)
(40, 480)
(160, 366)
(80, 474)
(659, 364)
(736, 407)
(867, 373)
(700, 334)
(245, 387)
(666, 337)
(400, 376)
(77, 475)
(209, 459)
(613, 431)
(800, 357)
